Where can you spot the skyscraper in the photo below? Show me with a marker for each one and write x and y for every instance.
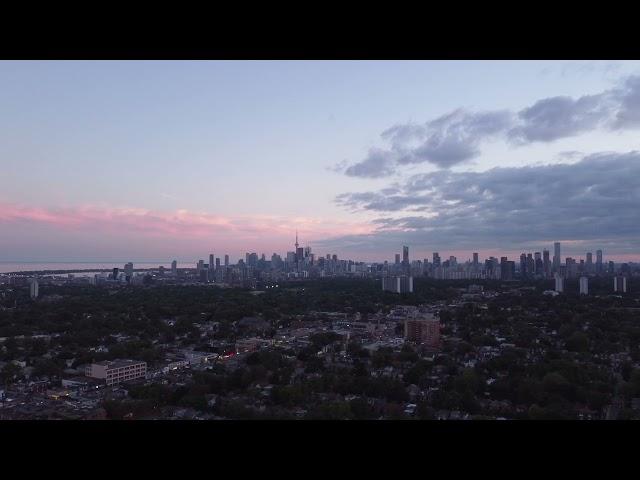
(620, 284)
(504, 268)
(589, 263)
(556, 256)
(559, 283)
(584, 286)
(546, 263)
(436, 259)
(397, 259)
(211, 261)
(405, 255)
(33, 288)
(226, 260)
(402, 284)
(174, 268)
(128, 271)
(475, 259)
(599, 261)
(423, 330)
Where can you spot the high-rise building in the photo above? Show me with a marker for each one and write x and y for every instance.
(251, 259)
(571, 267)
(226, 260)
(128, 271)
(530, 265)
(200, 265)
(589, 263)
(397, 259)
(475, 259)
(556, 256)
(546, 262)
(559, 283)
(174, 268)
(211, 261)
(115, 272)
(584, 286)
(217, 263)
(436, 259)
(405, 255)
(599, 268)
(620, 284)
(33, 288)
(423, 330)
(403, 284)
(504, 268)
(204, 275)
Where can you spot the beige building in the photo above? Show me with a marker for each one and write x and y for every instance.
(116, 371)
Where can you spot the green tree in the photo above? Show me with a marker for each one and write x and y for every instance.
(10, 372)
(578, 342)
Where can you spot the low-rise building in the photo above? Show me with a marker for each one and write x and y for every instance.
(116, 371)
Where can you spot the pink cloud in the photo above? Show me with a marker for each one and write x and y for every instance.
(240, 231)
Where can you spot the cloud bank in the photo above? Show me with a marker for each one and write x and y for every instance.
(592, 203)
(457, 137)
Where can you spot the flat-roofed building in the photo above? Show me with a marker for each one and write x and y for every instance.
(559, 283)
(116, 371)
(620, 284)
(584, 286)
(424, 330)
(398, 284)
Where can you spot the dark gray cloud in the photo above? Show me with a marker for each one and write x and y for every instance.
(594, 200)
(628, 115)
(379, 163)
(457, 137)
(559, 117)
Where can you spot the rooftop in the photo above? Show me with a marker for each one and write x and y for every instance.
(118, 363)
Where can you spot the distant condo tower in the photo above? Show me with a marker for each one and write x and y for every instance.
(556, 256)
(584, 286)
(620, 284)
(397, 284)
(559, 283)
(33, 289)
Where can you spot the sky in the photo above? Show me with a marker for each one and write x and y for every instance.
(149, 160)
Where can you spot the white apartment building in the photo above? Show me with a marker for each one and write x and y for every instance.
(584, 286)
(116, 371)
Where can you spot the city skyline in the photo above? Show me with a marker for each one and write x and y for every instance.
(143, 161)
